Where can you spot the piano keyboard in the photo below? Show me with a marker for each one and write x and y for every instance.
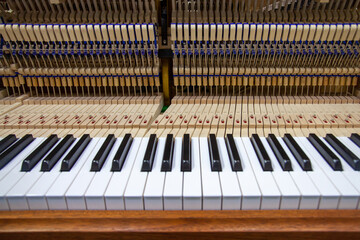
(168, 171)
(236, 106)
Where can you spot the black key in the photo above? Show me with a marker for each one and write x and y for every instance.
(149, 154)
(279, 152)
(166, 165)
(344, 152)
(215, 161)
(71, 158)
(121, 153)
(234, 156)
(264, 158)
(186, 154)
(325, 152)
(39, 153)
(103, 153)
(6, 142)
(297, 152)
(52, 158)
(14, 150)
(355, 138)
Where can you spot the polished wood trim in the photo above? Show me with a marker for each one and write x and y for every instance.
(276, 224)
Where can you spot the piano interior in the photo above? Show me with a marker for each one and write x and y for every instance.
(179, 119)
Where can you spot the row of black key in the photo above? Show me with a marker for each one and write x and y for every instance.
(69, 160)
(303, 160)
(186, 161)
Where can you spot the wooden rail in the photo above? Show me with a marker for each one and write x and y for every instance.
(277, 224)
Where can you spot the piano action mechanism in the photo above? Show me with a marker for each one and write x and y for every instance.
(179, 119)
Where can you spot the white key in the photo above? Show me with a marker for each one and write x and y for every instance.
(192, 194)
(56, 194)
(114, 195)
(16, 197)
(231, 193)
(173, 180)
(270, 193)
(36, 195)
(348, 172)
(290, 195)
(329, 195)
(349, 196)
(14, 173)
(94, 195)
(75, 194)
(310, 196)
(210, 180)
(133, 195)
(251, 195)
(153, 194)
(351, 145)
(15, 162)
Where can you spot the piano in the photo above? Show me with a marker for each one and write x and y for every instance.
(179, 119)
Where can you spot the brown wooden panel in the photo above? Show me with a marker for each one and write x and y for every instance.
(278, 224)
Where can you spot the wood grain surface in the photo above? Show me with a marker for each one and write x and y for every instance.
(277, 224)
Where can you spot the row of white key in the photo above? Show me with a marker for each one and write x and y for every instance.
(265, 32)
(78, 33)
(131, 189)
